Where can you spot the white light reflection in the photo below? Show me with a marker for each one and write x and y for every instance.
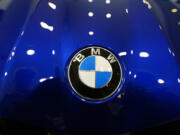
(83, 100)
(5, 73)
(127, 11)
(46, 26)
(90, 1)
(169, 50)
(135, 76)
(147, 3)
(178, 80)
(108, 1)
(144, 54)
(22, 33)
(30, 52)
(173, 54)
(13, 53)
(174, 10)
(51, 77)
(91, 33)
(132, 52)
(52, 5)
(42, 80)
(122, 53)
(161, 81)
(53, 52)
(90, 14)
(130, 72)
(108, 15)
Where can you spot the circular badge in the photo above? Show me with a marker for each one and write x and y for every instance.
(95, 73)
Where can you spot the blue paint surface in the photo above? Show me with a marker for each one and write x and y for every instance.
(34, 88)
(88, 63)
(102, 78)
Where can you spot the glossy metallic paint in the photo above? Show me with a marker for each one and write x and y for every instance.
(34, 86)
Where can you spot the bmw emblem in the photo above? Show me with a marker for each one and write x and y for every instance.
(95, 74)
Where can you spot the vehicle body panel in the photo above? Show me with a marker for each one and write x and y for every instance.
(34, 87)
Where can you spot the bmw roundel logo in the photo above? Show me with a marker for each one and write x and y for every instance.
(95, 73)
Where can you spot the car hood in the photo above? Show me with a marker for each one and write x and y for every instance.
(34, 87)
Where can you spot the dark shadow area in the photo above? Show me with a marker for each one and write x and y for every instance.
(172, 128)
